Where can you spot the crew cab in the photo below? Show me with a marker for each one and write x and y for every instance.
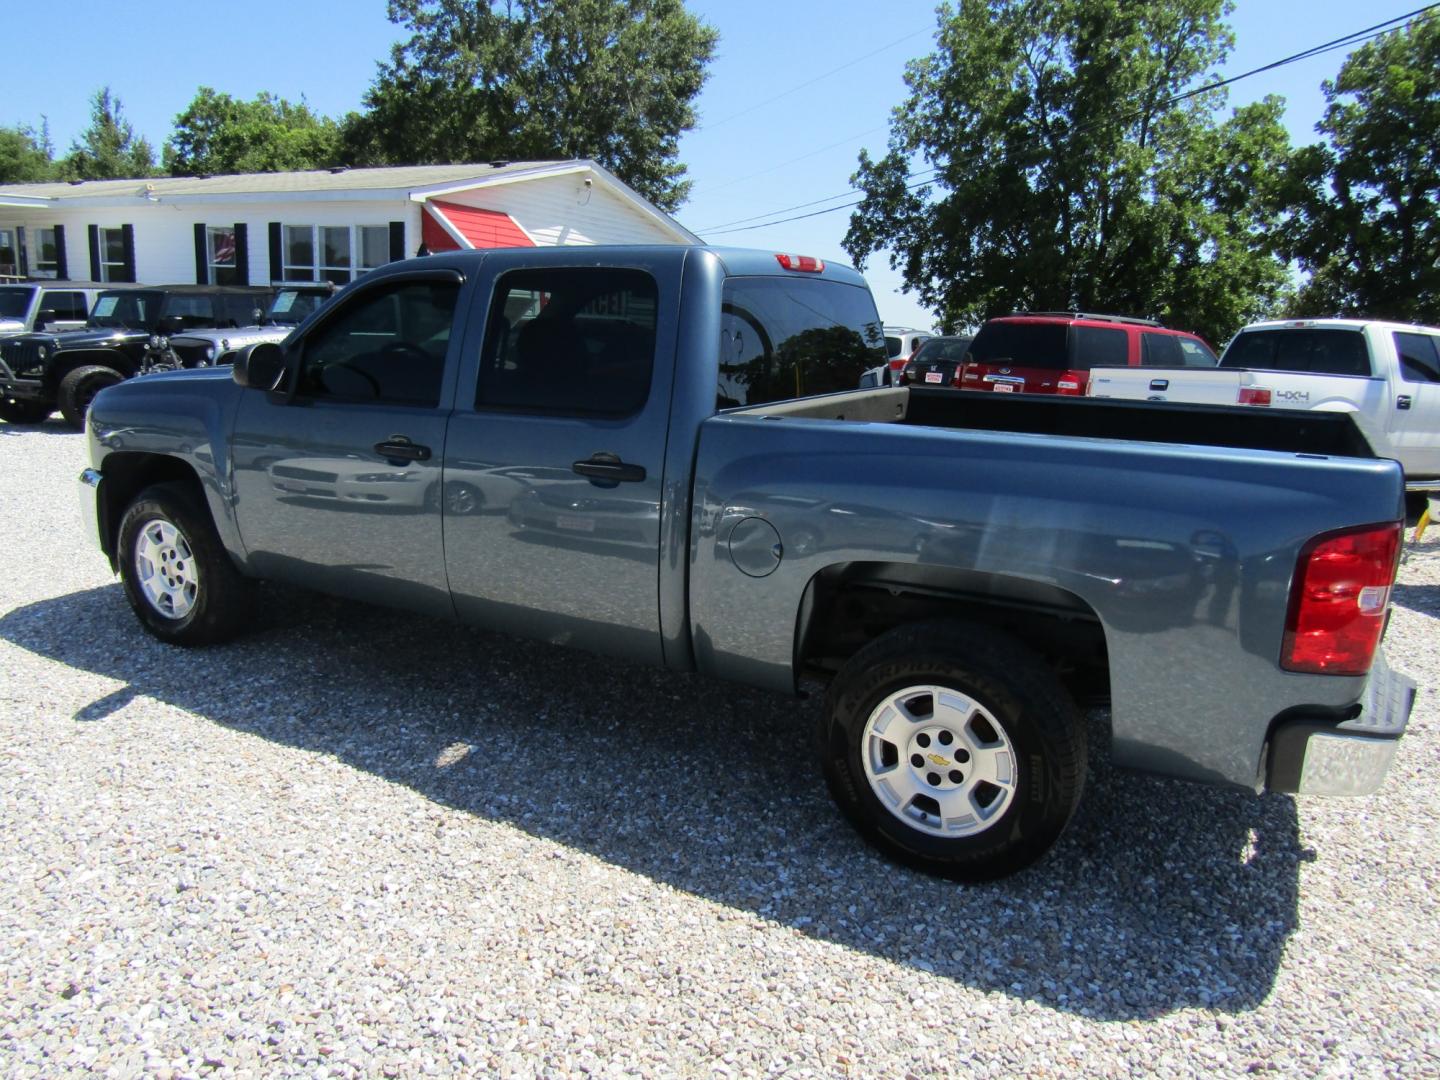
(1385, 374)
(206, 348)
(40, 372)
(643, 478)
(1052, 352)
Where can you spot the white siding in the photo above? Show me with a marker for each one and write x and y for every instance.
(561, 210)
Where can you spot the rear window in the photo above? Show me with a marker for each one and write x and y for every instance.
(943, 350)
(1023, 344)
(782, 338)
(14, 302)
(1323, 352)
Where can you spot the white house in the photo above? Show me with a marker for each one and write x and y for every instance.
(328, 225)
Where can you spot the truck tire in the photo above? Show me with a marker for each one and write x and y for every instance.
(954, 749)
(24, 412)
(176, 572)
(79, 388)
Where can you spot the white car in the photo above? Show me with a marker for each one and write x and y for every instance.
(900, 343)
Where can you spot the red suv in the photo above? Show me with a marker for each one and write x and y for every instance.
(1052, 352)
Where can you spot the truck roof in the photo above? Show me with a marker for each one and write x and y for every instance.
(1335, 324)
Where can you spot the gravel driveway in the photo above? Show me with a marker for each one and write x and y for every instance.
(360, 844)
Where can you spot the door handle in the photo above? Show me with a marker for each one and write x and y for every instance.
(608, 467)
(1403, 401)
(399, 448)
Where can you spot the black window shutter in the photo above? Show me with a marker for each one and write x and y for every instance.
(127, 237)
(277, 268)
(242, 254)
(94, 231)
(62, 270)
(397, 240)
(202, 257)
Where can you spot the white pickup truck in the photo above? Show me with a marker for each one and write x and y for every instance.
(1386, 374)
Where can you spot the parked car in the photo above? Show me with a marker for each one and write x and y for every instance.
(1386, 374)
(900, 343)
(41, 305)
(1224, 588)
(40, 371)
(207, 348)
(938, 362)
(1052, 352)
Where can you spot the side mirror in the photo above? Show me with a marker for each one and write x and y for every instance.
(257, 316)
(44, 318)
(259, 367)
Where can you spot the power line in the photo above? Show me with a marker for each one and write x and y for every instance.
(1356, 37)
(811, 82)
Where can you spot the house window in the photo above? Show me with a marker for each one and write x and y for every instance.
(344, 251)
(220, 246)
(47, 254)
(9, 254)
(112, 255)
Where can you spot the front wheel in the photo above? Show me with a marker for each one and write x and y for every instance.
(954, 749)
(177, 575)
(24, 412)
(78, 390)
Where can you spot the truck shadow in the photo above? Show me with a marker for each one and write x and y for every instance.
(1161, 896)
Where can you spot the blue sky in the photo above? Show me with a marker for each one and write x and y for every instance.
(796, 87)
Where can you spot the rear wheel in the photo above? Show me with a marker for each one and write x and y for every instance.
(78, 390)
(177, 575)
(953, 748)
(24, 412)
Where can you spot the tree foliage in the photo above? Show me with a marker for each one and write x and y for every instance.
(480, 80)
(1046, 159)
(1366, 202)
(220, 134)
(26, 156)
(109, 148)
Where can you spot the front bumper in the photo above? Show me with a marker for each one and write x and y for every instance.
(19, 389)
(90, 507)
(1309, 756)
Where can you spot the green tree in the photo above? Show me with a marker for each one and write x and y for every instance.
(480, 80)
(109, 148)
(1366, 202)
(220, 134)
(26, 156)
(1046, 159)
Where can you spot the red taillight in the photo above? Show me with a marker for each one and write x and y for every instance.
(807, 263)
(1338, 600)
(1071, 382)
(1253, 395)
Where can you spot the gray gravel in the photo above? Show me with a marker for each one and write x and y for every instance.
(362, 844)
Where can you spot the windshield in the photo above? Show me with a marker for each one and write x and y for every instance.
(291, 306)
(782, 338)
(1022, 344)
(1324, 352)
(126, 310)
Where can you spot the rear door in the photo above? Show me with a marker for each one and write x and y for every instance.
(1415, 403)
(340, 488)
(553, 465)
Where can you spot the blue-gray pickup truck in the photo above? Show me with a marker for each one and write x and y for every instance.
(613, 449)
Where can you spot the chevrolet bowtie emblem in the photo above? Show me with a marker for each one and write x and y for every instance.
(936, 759)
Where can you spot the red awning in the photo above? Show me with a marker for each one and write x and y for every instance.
(482, 228)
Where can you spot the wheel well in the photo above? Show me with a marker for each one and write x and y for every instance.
(128, 474)
(67, 362)
(848, 605)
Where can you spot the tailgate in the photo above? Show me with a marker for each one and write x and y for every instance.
(1200, 386)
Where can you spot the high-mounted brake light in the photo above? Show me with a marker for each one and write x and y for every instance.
(1253, 395)
(1338, 600)
(807, 263)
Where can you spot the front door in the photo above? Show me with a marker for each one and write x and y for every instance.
(554, 457)
(1415, 404)
(339, 489)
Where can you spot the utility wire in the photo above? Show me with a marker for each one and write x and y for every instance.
(1356, 37)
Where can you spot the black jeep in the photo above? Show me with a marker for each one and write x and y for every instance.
(39, 372)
